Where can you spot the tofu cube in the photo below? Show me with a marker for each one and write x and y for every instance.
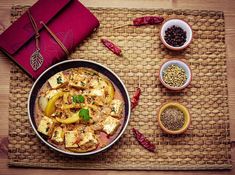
(79, 84)
(46, 125)
(96, 96)
(94, 83)
(98, 83)
(88, 140)
(97, 92)
(58, 135)
(71, 138)
(57, 80)
(116, 107)
(79, 81)
(110, 125)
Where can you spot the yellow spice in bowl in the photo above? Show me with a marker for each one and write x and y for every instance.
(174, 76)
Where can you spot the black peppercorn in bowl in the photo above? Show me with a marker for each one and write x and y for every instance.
(176, 34)
(175, 74)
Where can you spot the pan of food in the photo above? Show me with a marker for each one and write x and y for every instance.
(79, 107)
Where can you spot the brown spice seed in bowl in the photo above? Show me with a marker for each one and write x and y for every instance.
(172, 118)
(180, 107)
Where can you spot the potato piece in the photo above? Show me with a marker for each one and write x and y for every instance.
(58, 135)
(57, 80)
(46, 125)
(71, 138)
(110, 125)
(116, 108)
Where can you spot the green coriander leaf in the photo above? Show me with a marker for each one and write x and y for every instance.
(84, 114)
(78, 99)
(59, 80)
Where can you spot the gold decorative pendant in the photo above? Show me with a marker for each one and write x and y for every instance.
(36, 60)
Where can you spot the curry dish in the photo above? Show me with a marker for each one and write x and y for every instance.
(79, 110)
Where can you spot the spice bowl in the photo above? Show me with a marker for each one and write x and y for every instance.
(175, 74)
(173, 118)
(176, 34)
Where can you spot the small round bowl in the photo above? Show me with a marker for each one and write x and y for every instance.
(181, 64)
(180, 23)
(181, 108)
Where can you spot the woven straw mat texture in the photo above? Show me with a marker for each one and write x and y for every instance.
(205, 145)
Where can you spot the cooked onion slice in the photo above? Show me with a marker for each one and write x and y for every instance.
(43, 102)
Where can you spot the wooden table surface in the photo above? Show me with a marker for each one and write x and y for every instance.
(228, 6)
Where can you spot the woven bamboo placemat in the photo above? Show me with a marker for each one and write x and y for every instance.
(205, 145)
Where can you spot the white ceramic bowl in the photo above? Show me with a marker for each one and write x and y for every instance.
(181, 64)
(179, 23)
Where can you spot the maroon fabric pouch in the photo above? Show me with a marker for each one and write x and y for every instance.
(68, 20)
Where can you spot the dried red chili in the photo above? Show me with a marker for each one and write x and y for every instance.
(135, 98)
(145, 20)
(152, 20)
(143, 140)
(111, 46)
